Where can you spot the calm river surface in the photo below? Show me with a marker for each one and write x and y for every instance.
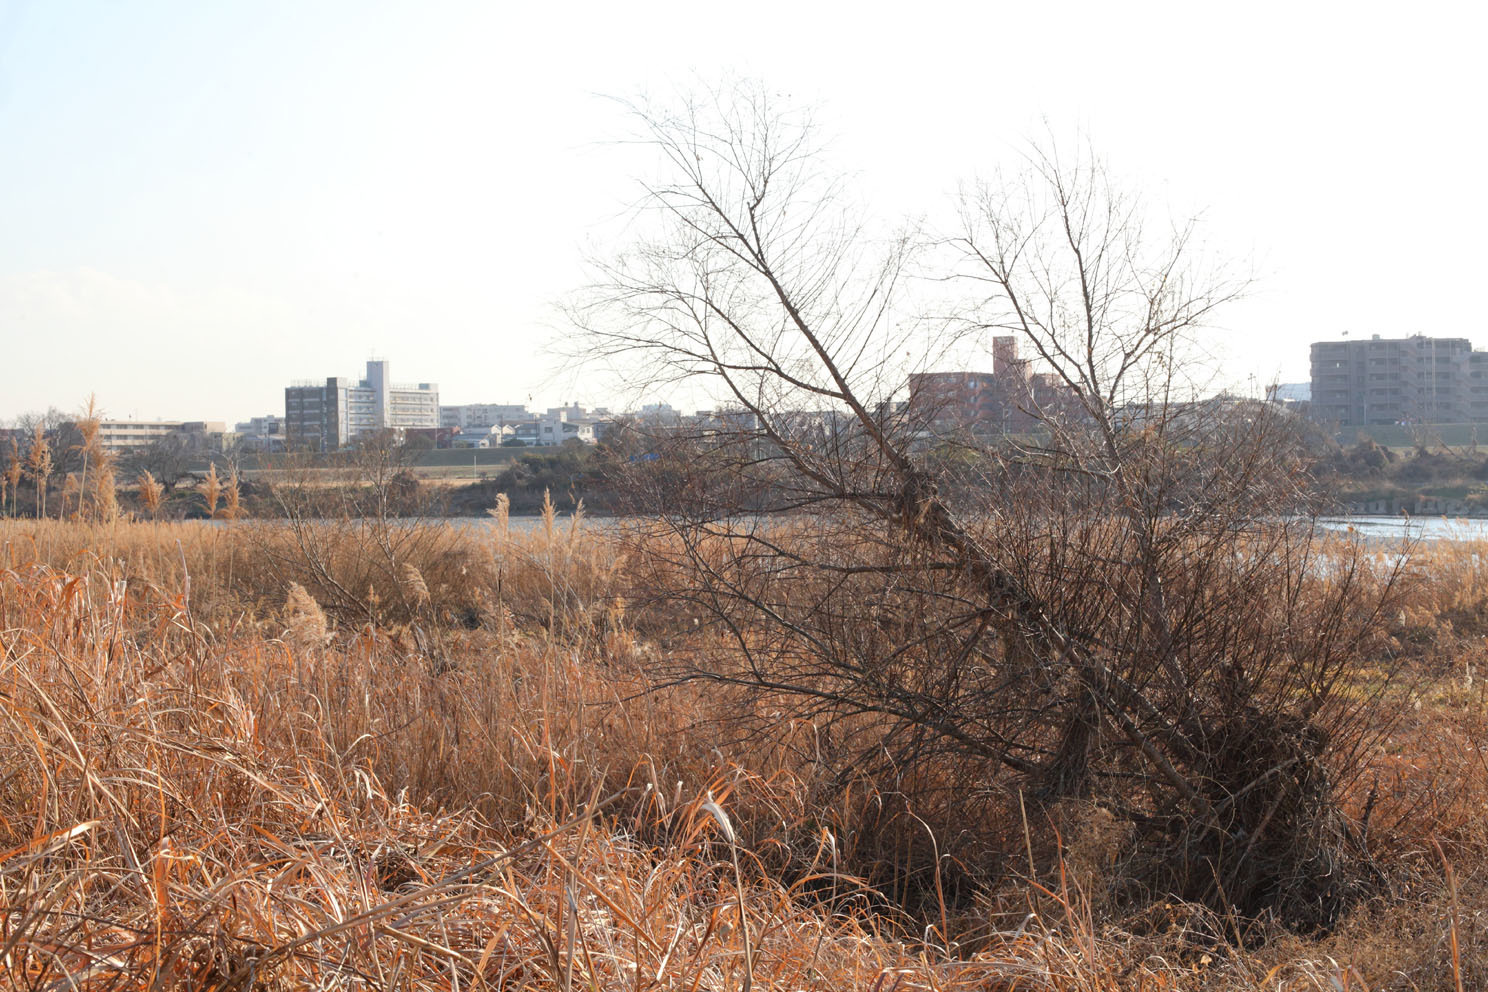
(1418, 528)
(1375, 528)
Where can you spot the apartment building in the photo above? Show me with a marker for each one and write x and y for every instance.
(482, 416)
(996, 400)
(265, 426)
(1413, 380)
(120, 437)
(953, 398)
(261, 434)
(324, 416)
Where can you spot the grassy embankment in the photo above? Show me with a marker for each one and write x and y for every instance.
(1434, 480)
(428, 483)
(207, 782)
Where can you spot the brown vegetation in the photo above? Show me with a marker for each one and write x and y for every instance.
(212, 780)
(1429, 478)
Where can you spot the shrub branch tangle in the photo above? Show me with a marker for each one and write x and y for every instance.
(1111, 606)
(354, 531)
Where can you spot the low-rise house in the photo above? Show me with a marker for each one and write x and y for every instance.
(480, 437)
(559, 426)
(525, 432)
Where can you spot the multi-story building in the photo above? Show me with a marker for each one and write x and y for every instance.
(959, 398)
(998, 400)
(120, 437)
(1414, 380)
(1477, 387)
(267, 425)
(326, 416)
(467, 416)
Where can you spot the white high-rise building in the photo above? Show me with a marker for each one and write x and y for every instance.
(326, 416)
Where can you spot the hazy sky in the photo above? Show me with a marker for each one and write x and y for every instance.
(200, 201)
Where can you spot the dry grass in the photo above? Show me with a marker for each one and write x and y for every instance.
(210, 777)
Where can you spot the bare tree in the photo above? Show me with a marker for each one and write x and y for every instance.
(167, 459)
(1113, 603)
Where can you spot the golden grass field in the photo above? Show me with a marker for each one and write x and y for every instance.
(215, 776)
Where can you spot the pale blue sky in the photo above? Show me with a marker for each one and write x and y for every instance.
(201, 201)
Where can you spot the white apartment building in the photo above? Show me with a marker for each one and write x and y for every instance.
(268, 424)
(327, 416)
(467, 416)
(119, 437)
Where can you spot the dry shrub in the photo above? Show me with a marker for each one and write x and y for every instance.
(938, 713)
(1094, 840)
(1446, 602)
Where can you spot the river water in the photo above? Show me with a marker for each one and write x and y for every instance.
(1373, 528)
(1415, 528)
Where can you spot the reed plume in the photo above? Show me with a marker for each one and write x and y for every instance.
(305, 619)
(39, 464)
(414, 586)
(105, 505)
(150, 493)
(72, 489)
(211, 490)
(232, 508)
(88, 426)
(501, 512)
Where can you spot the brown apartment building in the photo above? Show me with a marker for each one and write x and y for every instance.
(1414, 380)
(1010, 398)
